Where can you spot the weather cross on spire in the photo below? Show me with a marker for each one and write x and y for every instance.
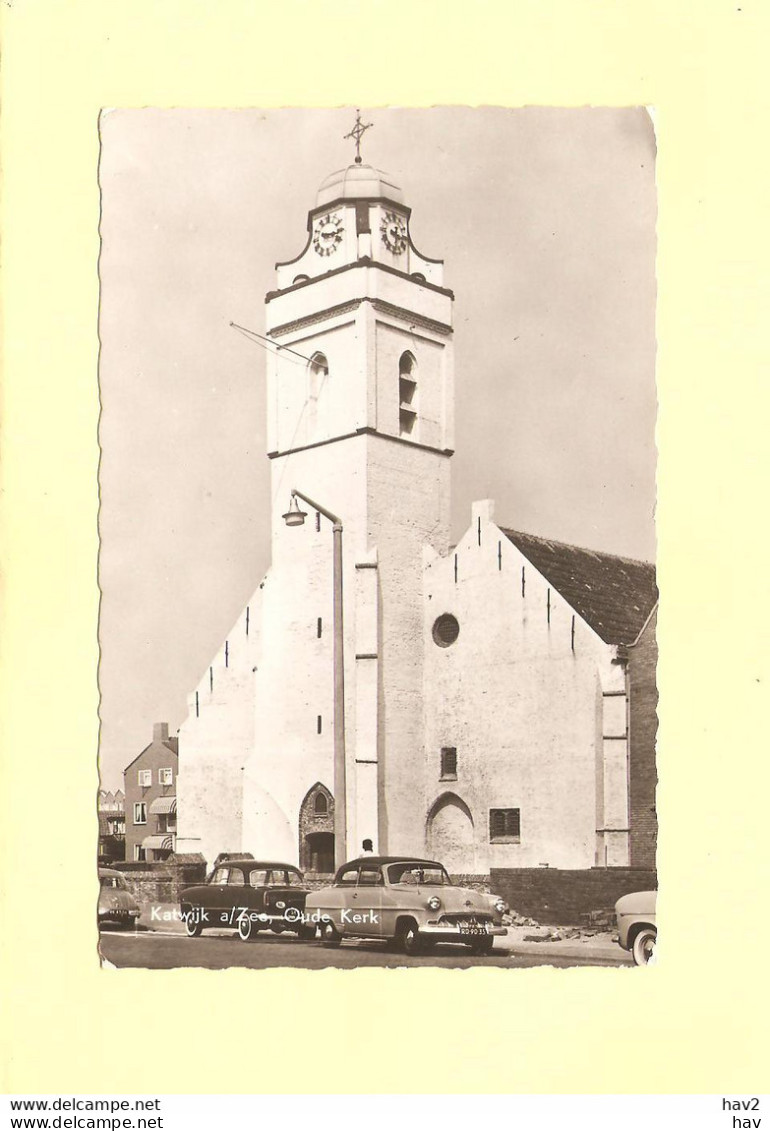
(358, 131)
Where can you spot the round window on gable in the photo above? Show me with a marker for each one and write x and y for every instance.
(445, 630)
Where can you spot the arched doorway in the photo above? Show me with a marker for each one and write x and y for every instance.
(316, 830)
(450, 834)
(320, 849)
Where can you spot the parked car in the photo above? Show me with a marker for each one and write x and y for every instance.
(408, 901)
(117, 905)
(637, 929)
(248, 895)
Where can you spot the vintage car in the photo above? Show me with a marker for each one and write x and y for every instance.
(248, 895)
(117, 906)
(637, 930)
(407, 901)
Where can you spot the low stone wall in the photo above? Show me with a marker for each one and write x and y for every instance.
(162, 882)
(316, 880)
(556, 895)
(150, 887)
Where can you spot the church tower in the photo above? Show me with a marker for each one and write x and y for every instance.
(360, 405)
(360, 420)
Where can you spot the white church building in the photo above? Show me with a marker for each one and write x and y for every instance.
(490, 704)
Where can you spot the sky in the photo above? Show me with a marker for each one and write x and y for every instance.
(545, 219)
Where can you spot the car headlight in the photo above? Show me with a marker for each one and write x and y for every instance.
(434, 903)
(280, 904)
(501, 906)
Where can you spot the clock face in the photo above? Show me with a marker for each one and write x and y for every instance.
(393, 231)
(327, 233)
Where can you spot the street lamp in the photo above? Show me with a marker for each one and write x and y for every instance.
(296, 517)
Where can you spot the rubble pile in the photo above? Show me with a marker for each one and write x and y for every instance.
(597, 923)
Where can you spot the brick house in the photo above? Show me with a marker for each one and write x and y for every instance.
(150, 798)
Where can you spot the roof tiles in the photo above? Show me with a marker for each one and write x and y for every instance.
(613, 595)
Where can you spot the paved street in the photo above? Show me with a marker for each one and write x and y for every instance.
(162, 951)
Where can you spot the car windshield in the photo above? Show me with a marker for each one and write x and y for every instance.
(410, 872)
(109, 881)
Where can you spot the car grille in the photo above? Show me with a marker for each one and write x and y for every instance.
(467, 920)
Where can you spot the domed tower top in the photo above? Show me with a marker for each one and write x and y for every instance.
(359, 220)
(358, 182)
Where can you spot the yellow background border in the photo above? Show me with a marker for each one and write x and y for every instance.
(695, 1022)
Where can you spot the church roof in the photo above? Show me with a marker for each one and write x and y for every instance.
(613, 595)
(358, 182)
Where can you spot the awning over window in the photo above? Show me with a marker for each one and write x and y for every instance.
(163, 805)
(162, 841)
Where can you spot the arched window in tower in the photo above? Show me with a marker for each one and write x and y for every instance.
(407, 393)
(321, 805)
(318, 374)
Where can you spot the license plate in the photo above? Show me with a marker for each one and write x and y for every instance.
(478, 929)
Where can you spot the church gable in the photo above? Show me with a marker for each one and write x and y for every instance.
(613, 595)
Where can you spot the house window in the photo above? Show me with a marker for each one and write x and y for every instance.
(140, 813)
(321, 805)
(145, 778)
(504, 826)
(448, 763)
(166, 776)
(407, 394)
(138, 852)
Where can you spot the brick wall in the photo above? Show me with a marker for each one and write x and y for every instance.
(555, 895)
(643, 728)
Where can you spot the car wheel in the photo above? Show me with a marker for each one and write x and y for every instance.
(644, 946)
(247, 929)
(331, 935)
(410, 940)
(483, 946)
(193, 926)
